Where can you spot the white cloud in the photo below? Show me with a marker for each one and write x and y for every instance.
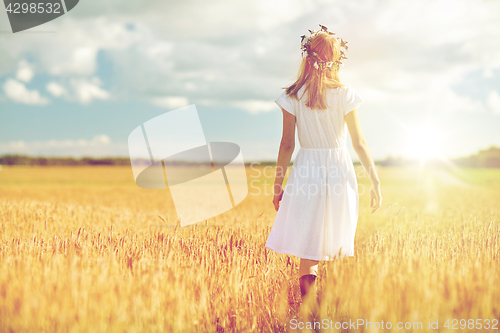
(101, 139)
(18, 92)
(25, 72)
(17, 144)
(449, 101)
(417, 52)
(493, 102)
(73, 49)
(99, 145)
(82, 90)
(86, 91)
(78, 42)
(170, 102)
(97, 140)
(81, 61)
(56, 89)
(256, 106)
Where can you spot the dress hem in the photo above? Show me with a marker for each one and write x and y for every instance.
(293, 253)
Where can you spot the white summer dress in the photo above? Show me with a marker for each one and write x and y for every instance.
(318, 213)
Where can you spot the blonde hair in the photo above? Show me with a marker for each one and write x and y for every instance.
(317, 80)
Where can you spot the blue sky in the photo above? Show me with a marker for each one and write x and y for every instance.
(428, 71)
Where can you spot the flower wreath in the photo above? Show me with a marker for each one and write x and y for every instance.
(319, 63)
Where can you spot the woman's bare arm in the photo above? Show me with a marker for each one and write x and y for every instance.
(285, 154)
(361, 148)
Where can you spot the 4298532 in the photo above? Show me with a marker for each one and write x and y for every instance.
(456, 324)
(33, 8)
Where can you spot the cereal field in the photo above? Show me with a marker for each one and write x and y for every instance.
(83, 249)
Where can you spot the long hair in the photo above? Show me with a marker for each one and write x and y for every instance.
(318, 80)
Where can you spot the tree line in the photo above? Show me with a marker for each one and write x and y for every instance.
(61, 161)
(488, 158)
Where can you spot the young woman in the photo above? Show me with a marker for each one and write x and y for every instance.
(318, 214)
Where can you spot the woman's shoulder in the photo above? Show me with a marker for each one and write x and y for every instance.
(345, 88)
(348, 91)
(338, 91)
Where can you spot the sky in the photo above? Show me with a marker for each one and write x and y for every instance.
(428, 71)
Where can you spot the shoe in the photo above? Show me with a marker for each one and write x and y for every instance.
(306, 283)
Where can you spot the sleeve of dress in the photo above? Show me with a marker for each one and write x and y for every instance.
(285, 102)
(353, 100)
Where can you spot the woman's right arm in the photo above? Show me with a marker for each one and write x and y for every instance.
(361, 148)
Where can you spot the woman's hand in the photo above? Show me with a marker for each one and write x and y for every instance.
(278, 194)
(375, 195)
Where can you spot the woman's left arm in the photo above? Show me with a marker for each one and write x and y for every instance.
(285, 154)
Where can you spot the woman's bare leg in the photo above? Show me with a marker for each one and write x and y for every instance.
(308, 267)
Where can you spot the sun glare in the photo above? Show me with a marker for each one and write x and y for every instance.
(424, 143)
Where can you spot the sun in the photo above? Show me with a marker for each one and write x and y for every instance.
(424, 143)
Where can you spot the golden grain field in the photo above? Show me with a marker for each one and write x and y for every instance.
(83, 249)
